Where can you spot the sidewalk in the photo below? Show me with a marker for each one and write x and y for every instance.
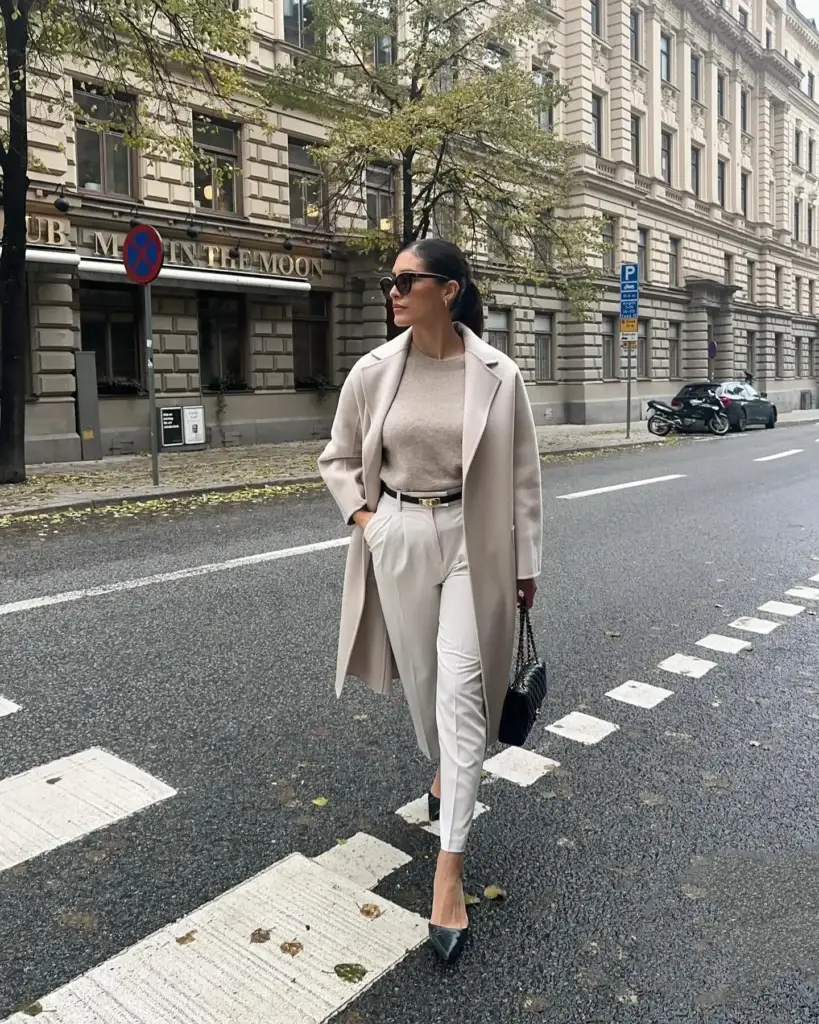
(57, 486)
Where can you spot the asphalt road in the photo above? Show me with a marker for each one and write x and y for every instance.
(667, 873)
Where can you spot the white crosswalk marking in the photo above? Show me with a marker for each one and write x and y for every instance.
(752, 625)
(582, 728)
(641, 695)
(416, 812)
(804, 593)
(781, 608)
(293, 945)
(7, 707)
(723, 644)
(363, 859)
(59, 802)
(523, 767)
(686, 665)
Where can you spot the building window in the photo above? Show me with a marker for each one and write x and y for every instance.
(797, 294)
(109, 322)
(744, 109)
(636, 140)
(811, 154)
(384, 50)
(608, 331)
(810, 225)
(306, 187)
(217, 163)
(797, 147)
(811, 306)
(778, 286)
(380, 199)
(298, 23)
(597, 122)
(222, 337)
(642, 254)
(696, 77)
(104, 162)
(742, 17)
(744, 182)
(779, 355)
(665, 57)
(797, 219)
(797, 357)
(545, 368)
(728, 268)
(674, 360)
(609, 237)
(311, 341)
(696, 161)
(674, 262)
(722, 180)
(812, 357)
(643, 354)
(665, 156)
(750, 352)
(634, 31)
(750, 281)
(497, 328)
(768, 39)
(546, 111)
(721, 91)
(811, 84)
(597, 17)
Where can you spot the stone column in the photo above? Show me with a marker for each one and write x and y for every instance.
(654, 104)
(734, 90)
(620, 89)
(576, 117)
(760, 200)
(682, 141)
(695, 345)
(724, 337)
(708, 172)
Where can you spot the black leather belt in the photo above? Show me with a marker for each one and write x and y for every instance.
(436, 502)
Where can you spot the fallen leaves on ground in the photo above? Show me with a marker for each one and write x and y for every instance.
(33, 1009)
(613, 633)
(320, 801)
(471, 900)
(186, 939)
(291, 948)
(259, 935)
(494, 892)
(78, 921)
(371, 911)
(352, 973)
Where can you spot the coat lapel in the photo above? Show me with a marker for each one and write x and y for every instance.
(480, 386)
(380, 383)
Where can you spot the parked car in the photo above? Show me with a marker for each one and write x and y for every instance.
(744, 405)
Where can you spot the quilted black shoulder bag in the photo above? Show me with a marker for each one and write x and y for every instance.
(526, 691)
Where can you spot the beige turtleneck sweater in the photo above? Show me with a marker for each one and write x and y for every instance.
(422, 438)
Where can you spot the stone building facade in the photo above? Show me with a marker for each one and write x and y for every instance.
(700, 132)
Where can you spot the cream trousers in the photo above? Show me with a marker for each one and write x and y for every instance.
(419, 561)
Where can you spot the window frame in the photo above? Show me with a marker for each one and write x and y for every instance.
(381, 192)
(666, 155)
(545, 353)
(666, 64)
(635, 34)
(299, 315)
(597, 17)
(636, 136)
(696, 170)
(609, 350)
(304, 37)
(216, 155)
(750, 280)
(240, 381)
(744, 192)
(597, 122)
(643, 254)
(722, 182)
(642, 361)
(675, 350)
(744, 109)
(674, 261)
(797, 147)
(82, 122)
(131, 314)
(493, 333)
(722, 95)
(696, 76)
(742, 17)
(304, 175)
(610, 255)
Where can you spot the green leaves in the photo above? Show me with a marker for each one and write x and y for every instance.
(352, 973)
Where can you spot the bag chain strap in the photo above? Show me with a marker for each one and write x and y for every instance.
(527, 652)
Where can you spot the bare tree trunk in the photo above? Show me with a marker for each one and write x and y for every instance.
(408, 225)
(13, 320)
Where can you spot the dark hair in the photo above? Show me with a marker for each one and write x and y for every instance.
(446, 259)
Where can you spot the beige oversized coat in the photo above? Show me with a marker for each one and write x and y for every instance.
(502, 507)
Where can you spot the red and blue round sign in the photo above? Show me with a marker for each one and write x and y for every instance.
(142, 254)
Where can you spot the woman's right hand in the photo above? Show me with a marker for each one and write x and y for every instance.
(362, 518)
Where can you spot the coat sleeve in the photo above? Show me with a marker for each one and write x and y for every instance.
(528, 496)
(340, 463)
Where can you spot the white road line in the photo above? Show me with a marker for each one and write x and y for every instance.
(273, 949)
(685, 665)
(815, 579)
(804, 593)
(781, 608)
(723, 644)
(780, 455)
(640, 695)
(523, 767)
(752, 625)
(582, 728)
(363, 859)
(416, 812)
(60, 802)
(622, 487)
(171, 577)
(7, 707)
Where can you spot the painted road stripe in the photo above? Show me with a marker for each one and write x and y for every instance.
(582, 728)
(7, 707)
(805, 593)
(815, 579)
(416, 812)
(268, 950)
(171, 577)
(622, 487)
(363, 859)
(640, 695)
(723, 644)
(685, 665)
(752, 625)
(781, 608)
(780, 455)
(60, 802)
(523, 767)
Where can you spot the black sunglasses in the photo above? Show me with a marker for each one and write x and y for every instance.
(404, 281)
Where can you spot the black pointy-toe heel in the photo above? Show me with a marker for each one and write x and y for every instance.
(448, 943)
(434, 806)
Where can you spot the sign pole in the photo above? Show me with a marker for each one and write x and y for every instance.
(628, 393)
(149, 363)
(629, 323)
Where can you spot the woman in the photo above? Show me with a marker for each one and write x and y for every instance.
(433, 457)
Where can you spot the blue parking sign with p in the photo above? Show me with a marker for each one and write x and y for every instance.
(628, 273)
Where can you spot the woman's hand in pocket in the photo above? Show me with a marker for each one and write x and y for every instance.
(362, 518)
(526, 593)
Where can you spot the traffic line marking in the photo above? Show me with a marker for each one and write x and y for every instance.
(622, 487)
(805, 593)
(815, 579)
(416, 812)
(57, 803)
(780, 455)
(363, 859)
(781, 608)
(752, 625)
(289, 946)
(724, 644)
(7, 707)
(171, 577)
(686, 665)
(523, 767)
(582, 728)
(640, 695)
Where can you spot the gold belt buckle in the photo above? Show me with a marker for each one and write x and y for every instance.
(430, 502)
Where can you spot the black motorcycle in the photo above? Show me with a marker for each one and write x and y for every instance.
(692, 413)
